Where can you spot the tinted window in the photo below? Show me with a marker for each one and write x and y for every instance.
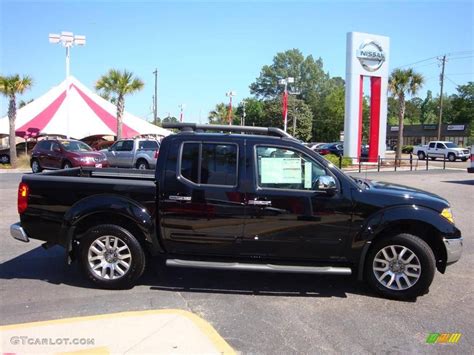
(432, 145)
(44, 145)
(54, 146)
(127, 146)
(219, 164)
(451, 145)
(286, 169)
(190, 162)
(148, 145)
(216, 164)
(440, 145)
(76, 146)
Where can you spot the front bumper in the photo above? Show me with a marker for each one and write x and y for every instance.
(453, 249)
(17, 232)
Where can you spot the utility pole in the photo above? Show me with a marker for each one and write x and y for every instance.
(230, 94)
(155, 99)
(242, 122)
(441, 80)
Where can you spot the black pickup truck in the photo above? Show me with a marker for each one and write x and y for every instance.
(244, 198)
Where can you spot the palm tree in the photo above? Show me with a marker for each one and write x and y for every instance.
(403, 82)
(10, 87)
(118, 83)
(220, 114)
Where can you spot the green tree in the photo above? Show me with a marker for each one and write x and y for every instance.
(307, 72)
(328, 125)
(463, 104)
(220, 115)
(428, 109)
(10, 87)
(116, 84)
(254, 112)
(403, 82)
(299, 114)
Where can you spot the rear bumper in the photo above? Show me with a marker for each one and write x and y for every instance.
(17, 232)
(453, 249)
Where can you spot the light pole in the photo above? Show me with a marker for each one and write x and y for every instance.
(68, 40)
(285, 82)
(244, 115)
(230, 94)
(181, 112)
(155, 98)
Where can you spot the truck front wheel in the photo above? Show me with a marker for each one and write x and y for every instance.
(400, 267)
(112, 257)
(451, 157)
(421, 155)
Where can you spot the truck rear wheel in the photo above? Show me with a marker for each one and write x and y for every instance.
(112, 257)
(400, 267)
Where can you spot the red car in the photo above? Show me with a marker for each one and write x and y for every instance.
(65, 154)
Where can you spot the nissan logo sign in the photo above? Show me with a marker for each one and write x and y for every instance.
(371, 55)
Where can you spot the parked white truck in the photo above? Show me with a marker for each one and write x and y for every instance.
(441, 149)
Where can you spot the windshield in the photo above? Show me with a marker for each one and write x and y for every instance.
(76, 146)
(451, 145)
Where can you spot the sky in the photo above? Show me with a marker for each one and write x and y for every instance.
(204, 49)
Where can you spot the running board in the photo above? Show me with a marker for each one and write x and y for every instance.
(259, 267)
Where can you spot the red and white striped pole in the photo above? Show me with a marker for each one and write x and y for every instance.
(230, 94)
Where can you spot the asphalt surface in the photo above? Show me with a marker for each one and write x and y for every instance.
(257, 312)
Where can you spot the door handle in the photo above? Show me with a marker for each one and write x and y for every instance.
(180, 198)
(259, 203)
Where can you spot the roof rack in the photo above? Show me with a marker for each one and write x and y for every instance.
(194, 127)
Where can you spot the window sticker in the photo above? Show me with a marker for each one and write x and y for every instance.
(308, 181)
(281, 170)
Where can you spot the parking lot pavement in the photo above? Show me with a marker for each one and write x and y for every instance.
(257, 312)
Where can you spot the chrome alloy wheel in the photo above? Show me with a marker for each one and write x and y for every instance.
(396, 267)
(109, 257)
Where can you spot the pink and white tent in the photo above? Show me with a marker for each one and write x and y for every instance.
(71, 109)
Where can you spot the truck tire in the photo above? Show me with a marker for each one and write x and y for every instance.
(451, 157)
(400, 267)
(111, 257)
(35, 166)
(421, 155)
(142, 164)
(67, 165)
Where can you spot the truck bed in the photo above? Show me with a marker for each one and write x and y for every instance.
(52, 194)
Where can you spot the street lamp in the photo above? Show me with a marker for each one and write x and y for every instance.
(68, 40)
(285, 82)
(230, 94)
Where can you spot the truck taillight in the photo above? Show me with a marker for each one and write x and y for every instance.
(23, 193)
(156, 154)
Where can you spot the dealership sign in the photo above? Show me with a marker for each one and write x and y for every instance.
(456, 127)
(371, 55)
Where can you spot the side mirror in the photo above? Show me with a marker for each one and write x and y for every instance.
(326, 183)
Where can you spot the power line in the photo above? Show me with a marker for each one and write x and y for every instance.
(436, 57)
(455, 58)
(447, 77)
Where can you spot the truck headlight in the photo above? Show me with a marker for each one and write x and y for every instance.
(448, 214)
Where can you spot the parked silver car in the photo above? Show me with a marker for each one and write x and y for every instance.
(133, 153)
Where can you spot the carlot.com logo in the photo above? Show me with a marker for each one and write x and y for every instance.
(443, 338)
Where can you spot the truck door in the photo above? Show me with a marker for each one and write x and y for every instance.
(111, 153)
(201, 203)
(125, 154)
(287, 217)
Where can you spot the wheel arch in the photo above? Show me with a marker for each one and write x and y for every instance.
(421, 222)
(109, 209)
